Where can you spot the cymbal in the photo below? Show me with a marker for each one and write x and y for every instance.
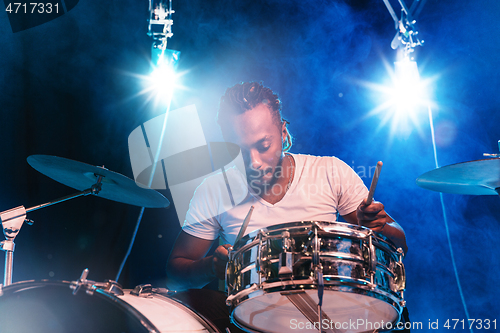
(82, 176)
(479, 177)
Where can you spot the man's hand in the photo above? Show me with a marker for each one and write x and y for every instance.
(373, 216)
(220, 260)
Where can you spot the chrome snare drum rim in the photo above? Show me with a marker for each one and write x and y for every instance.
(356, 264)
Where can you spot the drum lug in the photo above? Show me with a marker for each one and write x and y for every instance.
(286, 257)
(371, 259)
(230, 273)
(400, 275)
(287, 241)
(142, 290)
(113, 287)
(316, 242)
(82, 281)
(259, 260)
(286, 264)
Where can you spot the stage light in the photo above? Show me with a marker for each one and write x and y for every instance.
(408, 93)
(163, 78)
(403, 99)
(160, 83)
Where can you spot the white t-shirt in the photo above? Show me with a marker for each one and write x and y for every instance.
(322, 187)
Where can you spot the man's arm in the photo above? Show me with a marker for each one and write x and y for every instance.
(374, 216)
(187, 266)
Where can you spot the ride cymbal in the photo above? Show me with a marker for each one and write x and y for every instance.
(481, 177)
(82, 176)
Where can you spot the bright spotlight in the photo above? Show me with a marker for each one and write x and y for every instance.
(163, 75)
(402, 100)
(408, 92)
(163, 78)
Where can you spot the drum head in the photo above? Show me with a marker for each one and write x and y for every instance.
(273, 312)
(51, 307)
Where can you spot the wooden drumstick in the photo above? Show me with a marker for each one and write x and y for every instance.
(369, 199)
(244, 225)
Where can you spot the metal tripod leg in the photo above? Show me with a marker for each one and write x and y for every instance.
(9, 262)
(12, 221)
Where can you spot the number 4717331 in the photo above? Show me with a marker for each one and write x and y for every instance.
(32, 8)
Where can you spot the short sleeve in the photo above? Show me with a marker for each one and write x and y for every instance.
(200, 219)
(352, 190)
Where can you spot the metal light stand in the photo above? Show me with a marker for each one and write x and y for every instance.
(12, 220)
(407, 34)
(160, 23)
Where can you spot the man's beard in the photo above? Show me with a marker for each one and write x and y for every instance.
(261, 179)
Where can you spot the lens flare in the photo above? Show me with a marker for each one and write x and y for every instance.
(403, 101)
(163, 78)
(162, 82)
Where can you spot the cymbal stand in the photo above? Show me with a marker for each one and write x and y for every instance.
(493, 155)
(12, 220)
(497, 156)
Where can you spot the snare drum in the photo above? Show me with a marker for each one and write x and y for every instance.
(50, 306)
(271, 269)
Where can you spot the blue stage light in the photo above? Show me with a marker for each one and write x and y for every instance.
(409, 92)
(164, 78)
(403, 100)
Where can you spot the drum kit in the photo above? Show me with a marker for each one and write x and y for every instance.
(331, 274)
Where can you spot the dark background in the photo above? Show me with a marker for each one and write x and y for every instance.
(69, 88)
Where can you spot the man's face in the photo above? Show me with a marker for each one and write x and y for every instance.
(260, 139)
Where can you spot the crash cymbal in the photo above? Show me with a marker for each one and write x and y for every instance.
(82, 176)
(480, 177)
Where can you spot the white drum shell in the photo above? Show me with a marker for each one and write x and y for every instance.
(166, 314)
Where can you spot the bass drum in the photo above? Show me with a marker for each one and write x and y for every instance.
(51, 307)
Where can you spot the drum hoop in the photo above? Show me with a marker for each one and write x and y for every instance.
(16, 287)
(355, 231)
(108, 297)
(21, 286)
(197, 315)
(307, 285)
(354, 284)
(137, 314)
